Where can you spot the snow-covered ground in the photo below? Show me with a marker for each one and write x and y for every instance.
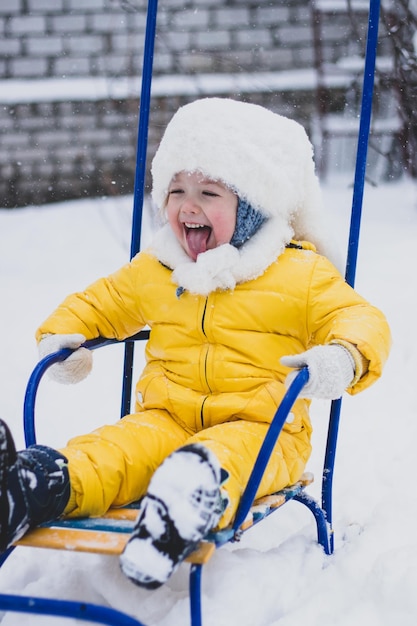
(277, 575)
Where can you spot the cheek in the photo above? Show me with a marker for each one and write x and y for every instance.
(172, 215)
(225, 226)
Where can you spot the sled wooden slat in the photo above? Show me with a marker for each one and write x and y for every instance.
(109, 534)
(122, 514)
(96, 542)
(265, 506)
(75, 539)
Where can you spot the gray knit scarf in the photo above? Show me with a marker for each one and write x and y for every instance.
(248, 221)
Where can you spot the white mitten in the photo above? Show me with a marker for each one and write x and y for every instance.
(331, 370)
(76, 367)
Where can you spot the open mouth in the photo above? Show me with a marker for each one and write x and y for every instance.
(197, 236)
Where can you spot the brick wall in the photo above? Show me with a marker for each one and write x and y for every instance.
(70, 69)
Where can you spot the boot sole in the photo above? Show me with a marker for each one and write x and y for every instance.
(7, 458)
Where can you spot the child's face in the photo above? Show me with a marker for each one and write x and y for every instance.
(201, 212)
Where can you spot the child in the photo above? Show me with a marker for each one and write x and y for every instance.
(237, 290)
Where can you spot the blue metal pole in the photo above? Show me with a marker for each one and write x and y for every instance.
(195, 594)
(143, 126)
(67, 608)
(140, 176)
(35, 379)
(355, 224)
(363, 139)
(267, 447)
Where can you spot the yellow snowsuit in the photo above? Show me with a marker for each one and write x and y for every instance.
(213, 372)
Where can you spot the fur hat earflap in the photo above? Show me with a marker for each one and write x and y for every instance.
(266, 158)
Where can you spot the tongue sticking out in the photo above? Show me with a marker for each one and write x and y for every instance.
(197, 239)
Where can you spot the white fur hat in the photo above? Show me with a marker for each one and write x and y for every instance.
(265, 157)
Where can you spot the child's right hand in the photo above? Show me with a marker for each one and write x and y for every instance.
(76, 367)
(331, 370)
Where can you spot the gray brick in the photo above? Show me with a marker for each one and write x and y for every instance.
(10, 47)
(33, 123)
(27, 24)
(86, 5)
(15, 140)
(110, 120)
(210, 3)
(232, 61)
(22, 110)
(302, 13)
(212, 40)
(44, 46)
(52, 138)
(86, 44)
(278, 58)
(175, 4)
(45, 168)
(34, 154)
(96, 136)
(178, 41)
(9, 7)
(112, 65)
(253, 37)
(27, 68)
(162, 63)
(45, 109)
(68, 23)
(125, 43)
(301, 56)
(295, 35)
(125, 138)
(45, 6)
(66, 152)
(231, 17)
(71, 67)
(75, 121)
(65, 169)
(108, 22)
(64, 109)
(196, 18)
(6, 124)
(272, 15)
(137, 23)
(7, 169)
(196, 63)
(110, 152)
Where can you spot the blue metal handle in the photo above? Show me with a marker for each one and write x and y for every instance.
(353, 245)
(36, 377)
(140, 176)
(267, 447)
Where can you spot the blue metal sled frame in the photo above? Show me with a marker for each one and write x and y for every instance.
(322, 513)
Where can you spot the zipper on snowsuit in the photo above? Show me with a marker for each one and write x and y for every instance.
(205, 364)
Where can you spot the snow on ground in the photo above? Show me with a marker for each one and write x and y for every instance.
(277, 575)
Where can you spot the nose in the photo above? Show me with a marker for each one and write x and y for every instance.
(190, 206)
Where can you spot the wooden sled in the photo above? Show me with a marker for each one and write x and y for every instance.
(108, 534)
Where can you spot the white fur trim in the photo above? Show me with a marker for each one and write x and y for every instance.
(223, 267)
(265, 157)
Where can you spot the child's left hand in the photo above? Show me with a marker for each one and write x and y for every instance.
(76, 367)
(331, 370)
